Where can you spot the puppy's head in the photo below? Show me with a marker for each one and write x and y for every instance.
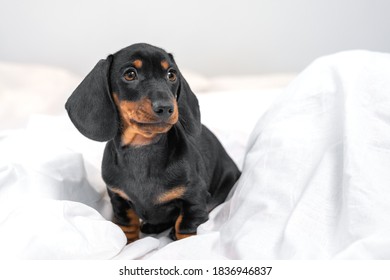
(138, 92)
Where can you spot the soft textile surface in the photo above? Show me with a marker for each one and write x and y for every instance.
(315, 180)
(32, 89)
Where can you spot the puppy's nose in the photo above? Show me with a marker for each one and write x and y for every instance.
(163, 109)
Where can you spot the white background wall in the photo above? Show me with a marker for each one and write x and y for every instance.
(209, 36)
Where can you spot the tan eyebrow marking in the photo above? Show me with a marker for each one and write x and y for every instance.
(137, 63)
(164, 64)
(170, 195)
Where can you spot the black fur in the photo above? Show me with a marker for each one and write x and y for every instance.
(90, 107)
(188, 155)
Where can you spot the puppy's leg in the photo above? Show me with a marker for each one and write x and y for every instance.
(124, 216)
(193, 213)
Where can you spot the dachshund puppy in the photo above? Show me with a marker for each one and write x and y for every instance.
(160, 164)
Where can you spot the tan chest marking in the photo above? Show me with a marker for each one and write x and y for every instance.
(170, 195)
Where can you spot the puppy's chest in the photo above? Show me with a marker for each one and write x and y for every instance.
(154, 197)
(151, 185)
(151, 181)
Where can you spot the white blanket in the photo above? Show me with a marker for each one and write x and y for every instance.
(315, 181)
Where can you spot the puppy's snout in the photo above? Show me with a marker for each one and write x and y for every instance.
(163, 109)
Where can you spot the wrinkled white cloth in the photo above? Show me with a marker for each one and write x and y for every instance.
(315, 181)
(316, 177)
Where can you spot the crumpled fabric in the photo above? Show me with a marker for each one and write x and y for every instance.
(315, 180)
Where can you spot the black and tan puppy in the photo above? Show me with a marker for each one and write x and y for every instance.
(161, 165)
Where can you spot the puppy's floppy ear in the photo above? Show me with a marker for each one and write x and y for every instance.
(189, 114)
(90, 107)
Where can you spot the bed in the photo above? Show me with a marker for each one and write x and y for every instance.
(313, 149)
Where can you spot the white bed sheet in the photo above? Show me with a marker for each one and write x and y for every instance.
(315, 182)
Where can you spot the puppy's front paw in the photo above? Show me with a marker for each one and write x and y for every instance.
(131, 232)
(130, 226)
(178, 233)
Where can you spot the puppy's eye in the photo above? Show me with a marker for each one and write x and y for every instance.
(130, 75)
(171, 75)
